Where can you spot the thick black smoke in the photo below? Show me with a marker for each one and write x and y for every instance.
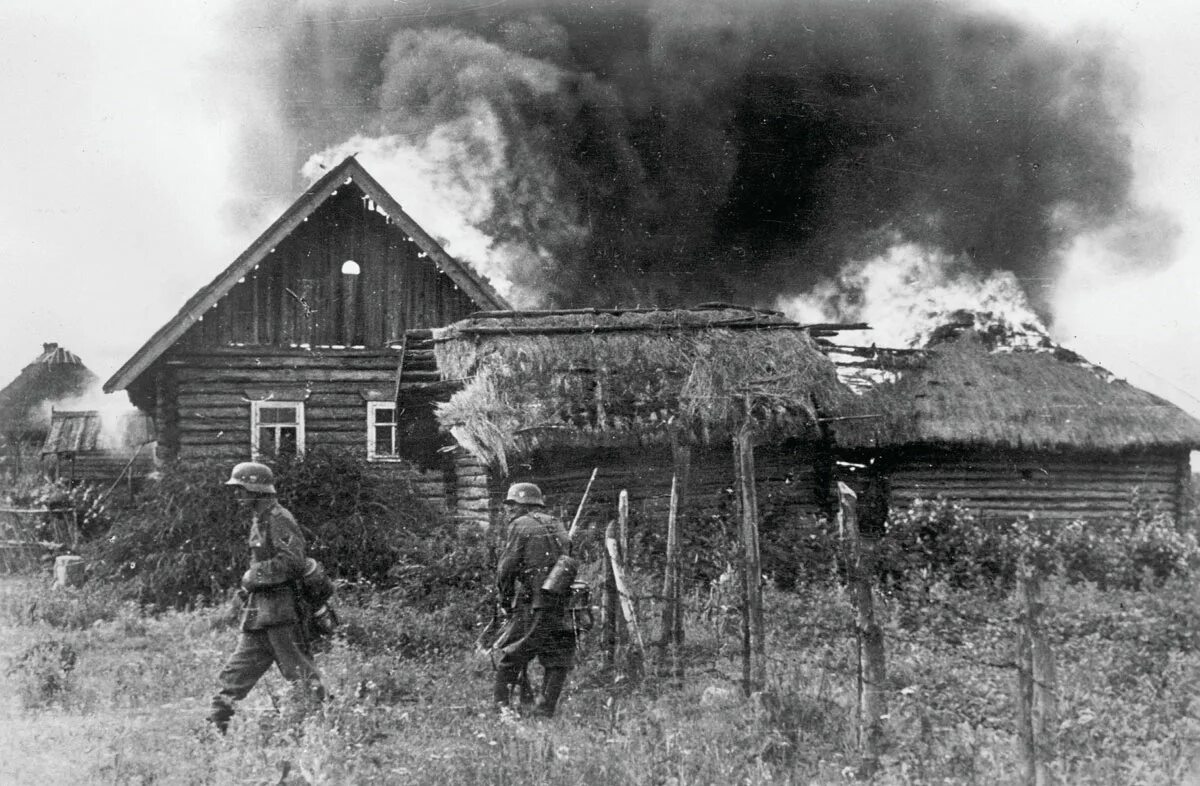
(733, 150)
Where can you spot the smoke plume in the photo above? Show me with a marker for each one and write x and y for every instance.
(673, 151)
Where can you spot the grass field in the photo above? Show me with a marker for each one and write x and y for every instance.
(99, 693)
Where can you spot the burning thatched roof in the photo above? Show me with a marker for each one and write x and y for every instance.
(971, 388)
(624, 378)
(54, 375)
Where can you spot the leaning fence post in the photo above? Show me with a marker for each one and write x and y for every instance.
(1036, 684)
(872, 665)
(625, 597)
(609, 626)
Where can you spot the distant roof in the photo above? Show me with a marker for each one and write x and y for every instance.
(970, 390)
(54, 375)
(84, 431)
(350, 170)
(612, 377)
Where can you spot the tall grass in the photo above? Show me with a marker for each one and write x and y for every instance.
(410, 701)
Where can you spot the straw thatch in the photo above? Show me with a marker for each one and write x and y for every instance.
(54, 375)
(603, 379)
(968, 391)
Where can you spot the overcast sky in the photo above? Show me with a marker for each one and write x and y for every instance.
(120, 131)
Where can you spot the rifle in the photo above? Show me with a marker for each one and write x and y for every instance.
(579, 511)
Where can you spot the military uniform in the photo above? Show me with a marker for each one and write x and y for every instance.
(271, 631)
(542, 627)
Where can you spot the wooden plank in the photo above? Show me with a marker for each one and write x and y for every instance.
(290, 376)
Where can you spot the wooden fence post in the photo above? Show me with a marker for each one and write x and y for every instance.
(672, 612)
(1037, 708)
(754, 660)
(609, 625)
(872, 665)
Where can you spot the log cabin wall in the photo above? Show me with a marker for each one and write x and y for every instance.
(789, 478)
(1063, 486)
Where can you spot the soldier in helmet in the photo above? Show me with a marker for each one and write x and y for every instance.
(270, 626)
(543, 629)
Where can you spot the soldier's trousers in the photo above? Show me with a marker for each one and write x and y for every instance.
(256, 651)
(554, 649)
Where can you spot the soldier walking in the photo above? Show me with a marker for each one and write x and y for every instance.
(270, 625)
(542, 626)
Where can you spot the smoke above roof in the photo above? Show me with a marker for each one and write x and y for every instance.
(676, 151)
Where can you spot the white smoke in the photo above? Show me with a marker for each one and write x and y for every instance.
(448, 181)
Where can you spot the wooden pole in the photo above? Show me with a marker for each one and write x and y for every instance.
(623, 522)
(872, 667)
(672, 623)
(627, 607)
(609, 627)
(1037, 708)
(754, 672)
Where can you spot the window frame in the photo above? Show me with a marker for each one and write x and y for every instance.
(373, 408)
(256, 408)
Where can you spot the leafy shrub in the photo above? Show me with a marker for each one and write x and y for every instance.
(179, 542)
(83, 503)
(186, 540)
(41, 673)
(942, 539)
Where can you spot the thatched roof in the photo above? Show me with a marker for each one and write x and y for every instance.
(970, 391)
(628, 378)
(54, 375)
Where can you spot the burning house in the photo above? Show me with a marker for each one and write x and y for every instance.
(25, 403)
(92, 446)
(1010, 424)
(297, 342)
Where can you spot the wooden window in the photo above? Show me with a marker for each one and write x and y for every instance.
(382, 433)
(276, 428)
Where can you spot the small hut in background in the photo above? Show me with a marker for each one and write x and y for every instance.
(88, 446)
(640, 395)
(54, 375)
(1009, 424)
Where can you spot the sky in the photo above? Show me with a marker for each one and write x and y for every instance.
(130, 178)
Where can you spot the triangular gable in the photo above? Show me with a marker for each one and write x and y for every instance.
(350, 170)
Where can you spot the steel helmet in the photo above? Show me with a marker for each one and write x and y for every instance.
(525, 494)
(253, 476)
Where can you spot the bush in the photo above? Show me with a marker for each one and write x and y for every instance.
(84, 503)
(943, 540)
(186, 542)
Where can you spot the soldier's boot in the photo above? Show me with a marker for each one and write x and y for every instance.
(552, 687)
(220, 714)
(502, 687)
(525, 693)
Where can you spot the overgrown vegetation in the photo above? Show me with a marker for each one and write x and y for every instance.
(184, 542)
(125, 689)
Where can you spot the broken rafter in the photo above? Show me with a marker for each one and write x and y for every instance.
(868, 352)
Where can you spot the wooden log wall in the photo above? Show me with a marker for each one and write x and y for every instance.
(1066, 486)
(788, 484)
(473, 502)
(299, 295)
(213, 392)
